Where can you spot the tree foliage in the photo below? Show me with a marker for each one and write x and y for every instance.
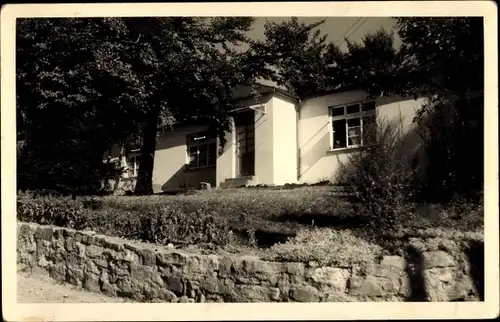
(95, 82)
(442, 59)
(304, 62)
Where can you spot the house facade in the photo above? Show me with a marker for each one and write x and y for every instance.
(275, 140)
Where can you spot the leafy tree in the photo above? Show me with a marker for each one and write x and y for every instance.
(439, 58)
(119, 79)
(190, 68)
(372, 64)
(70, 98)
(303, 61)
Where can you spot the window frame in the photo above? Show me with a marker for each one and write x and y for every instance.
(135, 155)
(360, 115)
(211, 139)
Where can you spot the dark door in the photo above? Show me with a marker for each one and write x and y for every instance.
(245, 143)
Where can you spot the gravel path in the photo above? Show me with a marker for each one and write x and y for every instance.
(37, 288)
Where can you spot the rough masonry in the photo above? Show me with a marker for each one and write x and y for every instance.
(146, 272)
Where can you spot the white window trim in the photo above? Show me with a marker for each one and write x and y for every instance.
(135, 167)
(207, 143)
(346, 116)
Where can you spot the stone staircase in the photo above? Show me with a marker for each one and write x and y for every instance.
(239, 182)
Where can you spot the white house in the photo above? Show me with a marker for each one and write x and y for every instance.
(277, 140)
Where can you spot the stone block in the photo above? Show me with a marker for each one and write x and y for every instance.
(75, 276)
(224, 286)
(461, 290)
(387, 272)
(184, 299)
(174, 284)
(294, 268)
(114, 245)
(335, 278)
(47, 233)
(245, 293)
(369, 286)
(167, 258)
(68, 232)
(437, 259)
(108, 288)
(225, 264)
(91, 282)
(397, 262)
(94, 251)
(148, 257)
(167, 295)
(42, 261)
(125, 287)
(145, 273)
(58, 272)
(304, 294)
(274, 293)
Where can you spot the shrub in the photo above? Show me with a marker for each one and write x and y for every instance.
(380, 177)
(452, 131)
(93, 203)
(170, 225)
(47, 210)
(161, 225)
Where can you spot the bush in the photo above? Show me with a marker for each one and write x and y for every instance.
(48, 210)
(161, 225)
(380, 177)
(170, 225)
(452, 135)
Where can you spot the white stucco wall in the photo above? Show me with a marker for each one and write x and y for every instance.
(284, 141)
(171, 158)
(316, 161)
(226, 162)
(264, 146)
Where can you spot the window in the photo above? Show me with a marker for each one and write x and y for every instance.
(133, 162)
(351, 124)
(202, 150)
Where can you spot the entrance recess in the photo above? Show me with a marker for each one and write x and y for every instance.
(245, 143)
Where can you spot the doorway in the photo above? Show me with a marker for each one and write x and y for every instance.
(245, 143)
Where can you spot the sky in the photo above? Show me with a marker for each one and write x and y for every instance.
(336, 27)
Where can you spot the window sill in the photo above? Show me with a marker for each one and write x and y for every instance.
(345, 150)
(188, 169)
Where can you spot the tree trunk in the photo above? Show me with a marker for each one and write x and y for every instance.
(144, 184)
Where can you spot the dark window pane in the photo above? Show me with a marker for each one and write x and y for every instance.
(212, 153)
(369, 106)
(339, 135)
(352, 108)
(203, 155)
(354, 122)
(193, 156)
(369, 129)
(337, 111)
(354, 140)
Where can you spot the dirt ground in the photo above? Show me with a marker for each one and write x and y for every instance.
(38, 288)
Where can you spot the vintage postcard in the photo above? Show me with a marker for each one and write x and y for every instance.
(248, 161)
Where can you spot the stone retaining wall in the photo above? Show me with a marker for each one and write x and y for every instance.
(151, 273)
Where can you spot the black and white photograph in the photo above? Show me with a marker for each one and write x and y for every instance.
(230, 158)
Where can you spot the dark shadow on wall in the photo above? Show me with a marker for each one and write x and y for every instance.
(475, 254)
(414, 270)
(185, 178)
(310, 157)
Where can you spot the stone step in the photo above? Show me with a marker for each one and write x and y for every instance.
(239, 182)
